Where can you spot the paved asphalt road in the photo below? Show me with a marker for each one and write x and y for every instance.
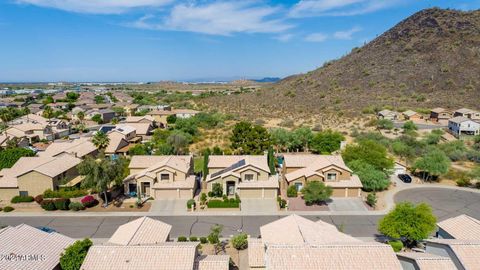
(446, 203)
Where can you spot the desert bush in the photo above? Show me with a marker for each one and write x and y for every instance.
(372, 199)
(292, 191)
(61, 203)
(182, 239)
(76, 206)
(48, 205)
(89, 201)
(193, 239)
(203, 240)
(20, 199)
(8, 209)
(396, 245)
(191, 204)
(64, 193)
(240, 241)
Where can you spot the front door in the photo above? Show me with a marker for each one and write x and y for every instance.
(146, 189)
(230, 188)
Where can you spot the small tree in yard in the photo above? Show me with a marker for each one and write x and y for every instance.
(240, 241)
(316, 192)
(271, 161)
(217, 190)
(408, 222)
(73, 256)
(433, 163)
(214, 236)
(292, 191)
(206, 156)
(372, 199)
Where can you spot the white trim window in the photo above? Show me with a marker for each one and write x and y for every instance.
(331, 177)
(164, 177)
(249, 177)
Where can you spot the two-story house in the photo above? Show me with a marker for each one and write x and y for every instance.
(161, 177)
(440, 115)
(467, 113)
(247, 176)
(300, 169)
(120, 139)
(460, 126)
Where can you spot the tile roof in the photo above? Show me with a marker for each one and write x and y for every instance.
(296, 230)
(386, 112)
(427, 261)
(158, 257)
(140, 128)
(315, 161)
(49, 166)
(117, 141)
(24, 240)
(188, 183)
(464, 110)
(160, 112)
(227, 161)
(438, 110)
(256, 253)
(461, 227)
(466, 251)
(459, 119)
(78, 147)
(347, 256)
(141, 231)
(137, 119)
(181, 162)
(272, 182)
(212, 262)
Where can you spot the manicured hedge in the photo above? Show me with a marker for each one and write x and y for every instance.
(223, 204)
(396, 245)
(62, 204)
(76, 206)
(48, 205)
(20, 199)
(64, 193)
(8, 209)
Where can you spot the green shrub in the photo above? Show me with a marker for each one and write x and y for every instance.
(240, 241)
(62, 204)
(222, 204)
(203, 198)
(64, 193)
(282, 203)
(20, 199)
(48, 205)
(292, 191)
(372, 199)
(193, 239)
(463, 182)
(73, 256)
(191, 203)
(203, 240)
(182, 239)
(217, 190)
(396, 245)
(8, 209)
(76, 206)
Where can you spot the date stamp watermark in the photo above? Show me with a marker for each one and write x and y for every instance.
(14, 257)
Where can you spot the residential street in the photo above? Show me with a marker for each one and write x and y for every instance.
(445, 202)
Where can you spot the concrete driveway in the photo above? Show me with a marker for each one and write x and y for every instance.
(169, 206)
(260, 206)
(347, 204)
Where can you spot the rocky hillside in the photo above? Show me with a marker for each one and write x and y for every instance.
(430, 59)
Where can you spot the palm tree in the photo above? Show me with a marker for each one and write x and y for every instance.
(47, 112)
(100, 140)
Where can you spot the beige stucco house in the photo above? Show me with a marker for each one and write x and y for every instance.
(33, 175)
(247, 176)
(120, 139)
(294, 242)
(81, 147)
(162, 177)
(300, 169)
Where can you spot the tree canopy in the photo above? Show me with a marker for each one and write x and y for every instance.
(100, 140)
(316, 192)
(326, 142)
(9, 157)
(408, 222)
(248, 139)
(433, 163)
(370, 152)
(73, 256)
(371, 178)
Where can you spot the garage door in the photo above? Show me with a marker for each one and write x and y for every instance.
(165, 194)
(250, 193)
(270, 193)
(186, 194)
(338, 192)
(353, 192)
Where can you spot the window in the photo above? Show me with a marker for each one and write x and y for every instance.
(299, 186)
(248, 177)
(164, 177)
(331, 176)
(23, 193)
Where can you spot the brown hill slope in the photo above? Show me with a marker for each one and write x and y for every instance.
(430, 59)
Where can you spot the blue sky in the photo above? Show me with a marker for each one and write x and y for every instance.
(152, 40)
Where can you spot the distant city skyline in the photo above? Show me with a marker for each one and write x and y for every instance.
(155, 40)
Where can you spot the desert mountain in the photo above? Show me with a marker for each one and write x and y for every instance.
(430, 59)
